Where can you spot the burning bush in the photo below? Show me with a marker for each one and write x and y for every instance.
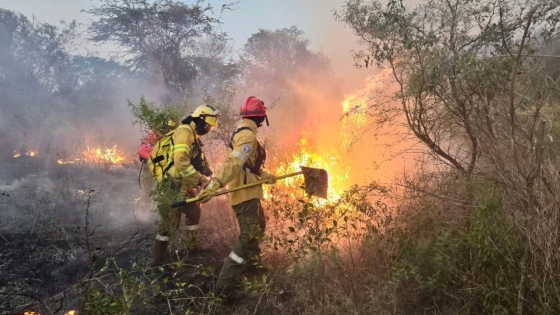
(97, 155)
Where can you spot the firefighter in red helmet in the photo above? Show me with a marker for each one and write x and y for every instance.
(244, 165)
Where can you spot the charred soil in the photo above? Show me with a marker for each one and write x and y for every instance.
(73, 237)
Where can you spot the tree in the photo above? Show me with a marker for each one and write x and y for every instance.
(33, 63)
(271, 58)
(471, 87)
(33, 51)
(281, 68)
(160, 39)
(446, 71)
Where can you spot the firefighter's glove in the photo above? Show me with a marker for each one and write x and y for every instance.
(210, 191)
(271, 179)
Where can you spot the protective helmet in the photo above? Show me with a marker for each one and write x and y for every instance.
(252, 107)
(208, 115)
(167, 125)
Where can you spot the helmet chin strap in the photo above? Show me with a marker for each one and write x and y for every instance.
(266, 118)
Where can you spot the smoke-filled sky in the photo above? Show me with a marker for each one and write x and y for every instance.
(314, 17)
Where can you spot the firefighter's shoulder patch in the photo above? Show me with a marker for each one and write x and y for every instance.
(246, 148)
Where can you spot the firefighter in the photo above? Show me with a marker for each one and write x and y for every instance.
(243, 165)
(146, 179)
(181, 178)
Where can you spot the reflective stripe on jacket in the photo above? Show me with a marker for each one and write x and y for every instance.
(232, 171)
(182, 169)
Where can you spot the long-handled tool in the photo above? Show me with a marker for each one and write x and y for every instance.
(316, 182)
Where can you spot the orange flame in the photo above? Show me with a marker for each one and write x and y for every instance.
(110, 155)
(27, 153)
(107, 155)
(326, 140)
(307, 156)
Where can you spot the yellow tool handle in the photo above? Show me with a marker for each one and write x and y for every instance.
(225, 191)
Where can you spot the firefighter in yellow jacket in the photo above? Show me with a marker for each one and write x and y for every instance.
(243, 166)
(181, 177)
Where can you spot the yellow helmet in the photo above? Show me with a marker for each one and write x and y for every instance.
(167, 125)
(208, 114)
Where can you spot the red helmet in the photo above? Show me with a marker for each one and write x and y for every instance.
(252, 107)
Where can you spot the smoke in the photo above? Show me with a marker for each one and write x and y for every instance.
(363, 141)
(352, 147)
(308, 106)
(57, 105)
(337, 41)
(308, 109)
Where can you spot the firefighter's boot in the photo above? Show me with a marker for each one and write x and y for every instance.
(158, 253)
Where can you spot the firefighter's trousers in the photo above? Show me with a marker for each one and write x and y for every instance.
(252, 224)
(170, 219)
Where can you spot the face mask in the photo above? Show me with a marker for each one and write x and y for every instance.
(260, 120)
(201, 129)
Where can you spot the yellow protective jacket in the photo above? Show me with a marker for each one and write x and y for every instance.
(182, 169)
(232, 170)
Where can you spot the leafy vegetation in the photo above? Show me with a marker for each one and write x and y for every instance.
(473, 230)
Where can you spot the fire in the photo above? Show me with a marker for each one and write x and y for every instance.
(353, 108)
(98, 155)
(356, 106)
(326, 141)
(307, 156)
(107, 155)
(27, 153)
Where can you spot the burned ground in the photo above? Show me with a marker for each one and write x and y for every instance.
(45, 250)
(50, 264)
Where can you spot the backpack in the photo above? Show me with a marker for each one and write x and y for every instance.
(160, 161)
(261, 154)
(199, 161)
